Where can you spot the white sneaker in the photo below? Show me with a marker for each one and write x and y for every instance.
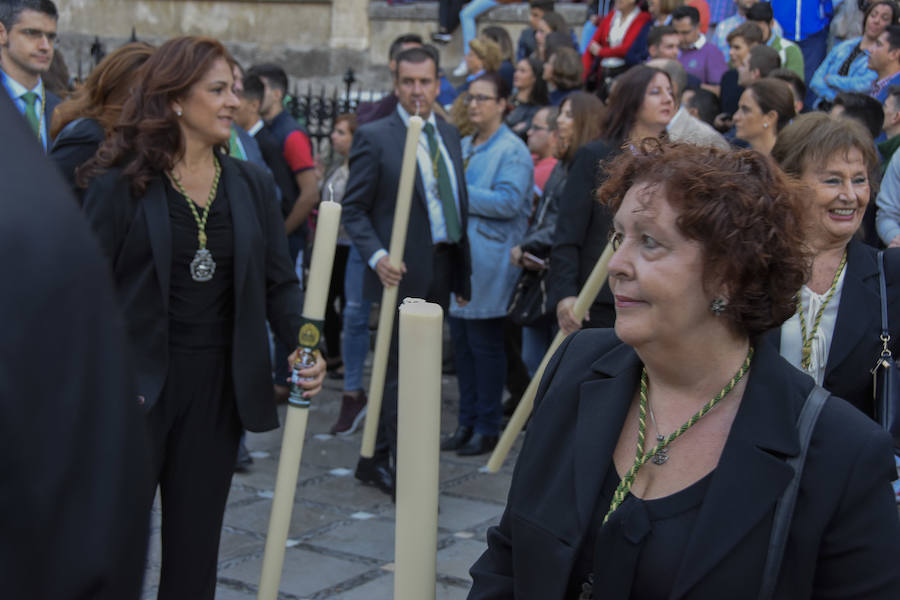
(461, 70)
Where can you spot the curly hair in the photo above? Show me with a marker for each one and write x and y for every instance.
(147, 140)
(745, 213)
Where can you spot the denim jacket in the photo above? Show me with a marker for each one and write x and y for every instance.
(500, 180)
(858, 79)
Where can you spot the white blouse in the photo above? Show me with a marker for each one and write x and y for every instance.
(617, 30)
(792, 337)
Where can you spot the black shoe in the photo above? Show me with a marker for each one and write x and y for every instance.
(376, 472)
(462, 435)
(244, 460)
(478, 444)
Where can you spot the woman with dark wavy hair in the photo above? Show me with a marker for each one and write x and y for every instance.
(657, 451)
(529, 95)
(81, 123)
(200, 262)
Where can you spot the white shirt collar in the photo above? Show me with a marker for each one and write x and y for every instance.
(405, 116)
(255, 129)
(701, 41)
(17, 89)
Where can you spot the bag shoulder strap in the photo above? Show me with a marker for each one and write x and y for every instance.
(784, 511)
(882, 286)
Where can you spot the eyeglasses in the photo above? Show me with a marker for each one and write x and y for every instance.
(478, 98)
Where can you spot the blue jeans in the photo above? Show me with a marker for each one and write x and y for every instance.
(355, 331)
(480, 371)
(467, 18)
(536, 339)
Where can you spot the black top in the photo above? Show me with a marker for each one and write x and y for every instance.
(646, 537)
(75, 145)
(201, 312)
(730, 92)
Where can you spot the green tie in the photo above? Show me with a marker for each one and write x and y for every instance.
(30, 114)
(234, 148)
(445, 188)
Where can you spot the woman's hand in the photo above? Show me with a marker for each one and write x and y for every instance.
(515, 256)
(565, 315)
(313, 376)
(594, 48)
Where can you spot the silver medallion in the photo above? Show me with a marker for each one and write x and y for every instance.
(662, 455)
(203, 266)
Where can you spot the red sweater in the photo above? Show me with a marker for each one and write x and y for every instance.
(601, 36)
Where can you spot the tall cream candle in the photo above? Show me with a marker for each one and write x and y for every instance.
(298, 407)
(389, 295)
(583, 302)
(418, 443)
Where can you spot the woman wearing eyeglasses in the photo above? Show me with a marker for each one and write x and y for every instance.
(499, 179)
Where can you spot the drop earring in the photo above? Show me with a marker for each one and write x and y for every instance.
(717, 306)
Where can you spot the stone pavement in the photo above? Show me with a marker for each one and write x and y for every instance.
(341, 542)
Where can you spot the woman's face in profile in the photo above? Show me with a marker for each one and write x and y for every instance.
(208, 107)
(840, 188)
(749, 121)
(523, 77)
(565, 122)
(655, 272)
(658, 107)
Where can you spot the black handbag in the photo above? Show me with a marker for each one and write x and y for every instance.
(886, 372)
(529, 299)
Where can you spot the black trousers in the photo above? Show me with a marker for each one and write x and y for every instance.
(194, 432)
(439, 293)
(333, 315)
(448, 14)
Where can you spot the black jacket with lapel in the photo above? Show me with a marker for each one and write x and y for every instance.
(136, 236)
(845, 536)
(856, 343)
(375, 162)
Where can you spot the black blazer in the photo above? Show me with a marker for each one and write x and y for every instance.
(75, 145)
(136, 237)
(368, 216)
(845, 537)
(856, 343)
(582, 231)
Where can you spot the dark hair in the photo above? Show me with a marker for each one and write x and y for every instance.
(11, 10)
(492, 77)
(539, 95)
(626, 100)
(349, 119)
(417, 55)
(894, 90)
(147, 139)
(105, 90)
(706, 103)
(864, 108)
(761, 12)
(745, 213)
(893, 36)
(774, 94)
(555, 21)
(815, 137)
(272, 74)
(749, 32)
(792, 79)
(687, 11)
(763, 59)
(501, 37)
(567, 69)
(398, 43)
(544, 5)
(587, 111)
(554, 41)
(895, 11)
(656, 34)
(254, 88)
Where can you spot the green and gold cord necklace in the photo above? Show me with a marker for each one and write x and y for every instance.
(642, 457)
(203, 266)
(806, 349)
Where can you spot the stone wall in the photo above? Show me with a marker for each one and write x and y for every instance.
(315, 40)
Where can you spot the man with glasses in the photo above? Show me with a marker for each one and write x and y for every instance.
(540, 143)
(27, 40)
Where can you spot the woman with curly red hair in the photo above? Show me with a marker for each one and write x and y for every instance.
(200, 261)
(655, 457)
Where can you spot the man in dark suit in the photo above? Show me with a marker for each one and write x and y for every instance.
(73, 453)
(27, 39)
(436, 256)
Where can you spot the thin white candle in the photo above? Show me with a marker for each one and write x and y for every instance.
(418, 443)
(389, 295)
(297, 413)
(583, 302)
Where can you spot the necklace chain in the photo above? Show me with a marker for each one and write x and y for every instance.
(200, 219)
(642, 457)
(806, 349)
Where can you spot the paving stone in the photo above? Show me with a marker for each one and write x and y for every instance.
(255, 518)
(382, 588)
(345, 493)
(492, 487)
(457, 558)
(371, 538)
(227, 593)
(304, 574)
(459, 514)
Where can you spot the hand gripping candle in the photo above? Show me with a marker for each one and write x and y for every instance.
(389, 295)
(298, 406)
(583, 302)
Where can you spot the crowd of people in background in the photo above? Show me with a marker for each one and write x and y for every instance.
(505, 226)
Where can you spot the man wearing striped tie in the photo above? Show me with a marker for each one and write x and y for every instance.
(27, 40)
